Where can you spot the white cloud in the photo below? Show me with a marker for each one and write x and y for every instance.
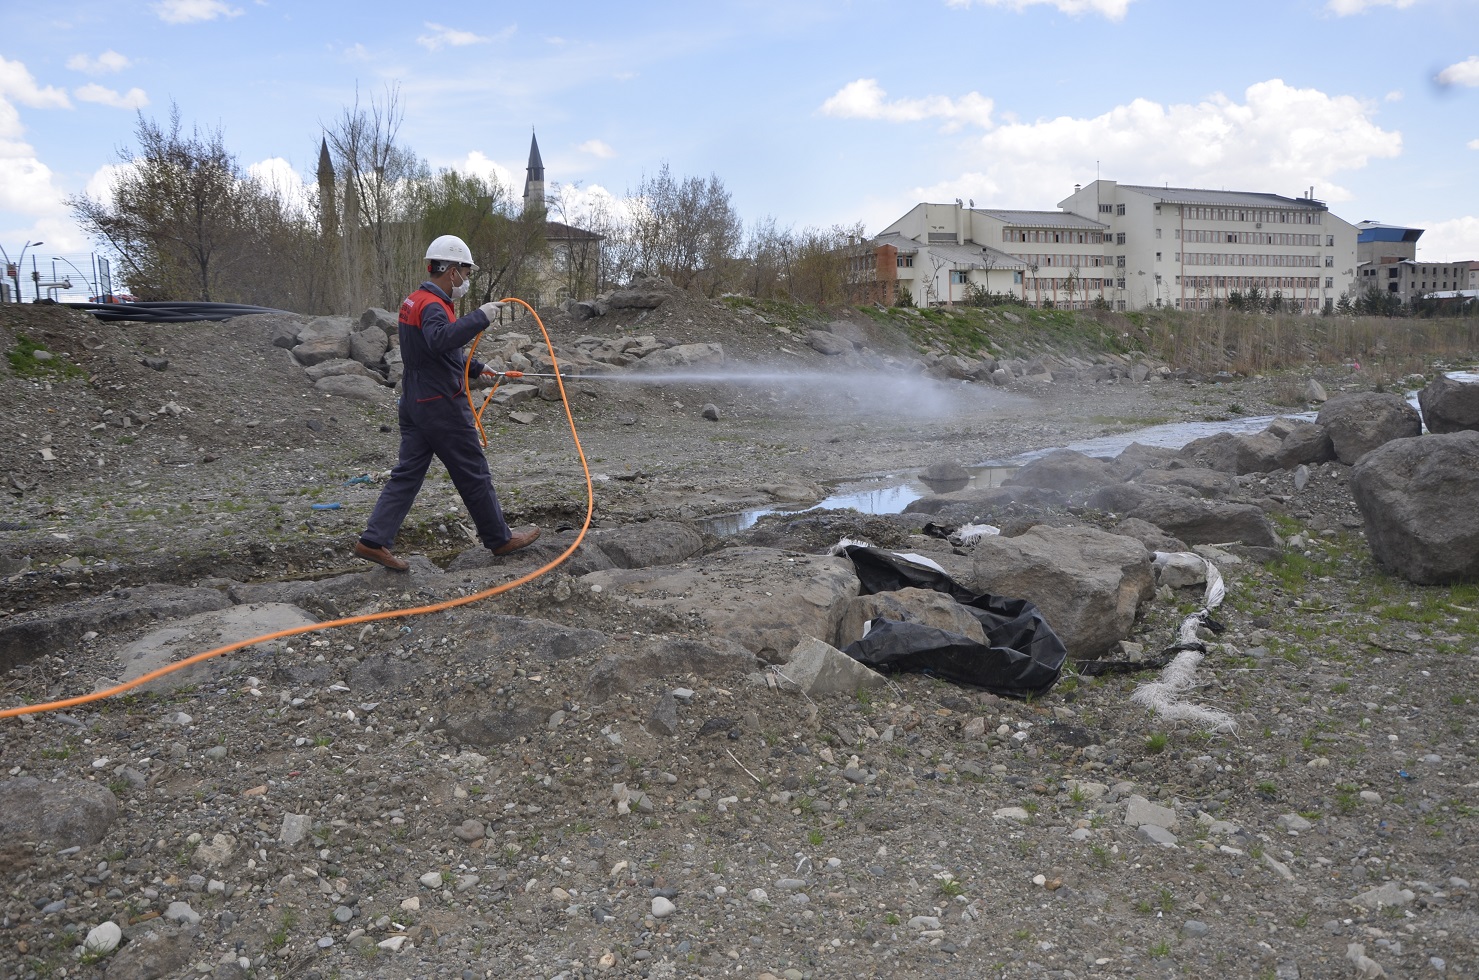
(134, 98)
(108, 61)
(1112, 9)
(16, 83)
(356, 52)
(1345, 8)
(1279, 139)
(597, 148)
(277, 175)
(866, 99)
(192, 11)
(25, 182)
(479, 165)
(1451, 241)
(1464, 73)
(440, 37)
(1472, 144)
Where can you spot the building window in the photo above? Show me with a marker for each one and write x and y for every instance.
(1158, 231)
(1120, 282)
(905, 261)
(1329, 283)
(1329, 241)
(1120, 209)
(1017, 277)
(1119, 239)
(1329, 261)
(1158, 256)
(1119, 260)
(1106, 209)
(959, 277)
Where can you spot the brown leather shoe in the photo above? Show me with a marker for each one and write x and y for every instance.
(521, 539)
(380, 556)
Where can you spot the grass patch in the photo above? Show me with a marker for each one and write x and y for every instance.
(24, 363)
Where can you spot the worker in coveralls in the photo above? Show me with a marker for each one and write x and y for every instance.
(436, 419)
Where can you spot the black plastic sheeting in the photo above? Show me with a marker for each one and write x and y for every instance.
(169, 311)
(1022, 655)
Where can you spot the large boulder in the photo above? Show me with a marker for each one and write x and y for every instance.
(649, 544)
(337, 367)
(1301, 443)
(1212, 484)
(1232, 453)
(1191, 519)
(369, 346)
(383, 320)
(1449, 405)
(924, 606)
(1359, 422)
(765, 599)
(636, 299)
(682, 356)
(353, 387)
(1419, 498)
(320, 349)
(67, 813)
(1089, 584)
(1064, 470)
(828, 343)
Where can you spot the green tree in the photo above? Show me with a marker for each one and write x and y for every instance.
(178, 213)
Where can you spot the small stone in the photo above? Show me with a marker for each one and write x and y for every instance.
(1370, 796)
(1293, 823)
(325, 942)
(295, 827)
(103, 938)
(1157, 835)
(662, 908)
(711, 412)
(921, 922)
(1193, 929)
(432, 879)
(182, 913)
(394, 943)
(759, 896)
(343, 914)
(216, 753)
(790, 884)
(469, 831)
(412, 904)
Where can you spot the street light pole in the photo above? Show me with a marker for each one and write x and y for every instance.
(91, 286)
(20, 262)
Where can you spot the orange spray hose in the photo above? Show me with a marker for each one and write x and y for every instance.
(590, 506)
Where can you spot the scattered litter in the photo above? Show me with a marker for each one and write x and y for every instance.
(361, 479)
(327, 506)
(1163, 696)
(1022, 655)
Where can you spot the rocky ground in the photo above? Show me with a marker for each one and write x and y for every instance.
(561, 782)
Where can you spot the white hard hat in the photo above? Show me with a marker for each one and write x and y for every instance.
(450, 248)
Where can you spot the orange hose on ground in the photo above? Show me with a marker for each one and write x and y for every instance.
(590, 506)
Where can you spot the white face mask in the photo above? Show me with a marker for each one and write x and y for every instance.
(460, 291)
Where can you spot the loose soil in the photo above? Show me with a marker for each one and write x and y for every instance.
(869, 835)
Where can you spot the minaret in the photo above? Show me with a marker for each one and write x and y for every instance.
(534, 182)
(327, 205)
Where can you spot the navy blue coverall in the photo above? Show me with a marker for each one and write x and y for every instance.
(436, 420)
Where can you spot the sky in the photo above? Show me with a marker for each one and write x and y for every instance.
(811, 112)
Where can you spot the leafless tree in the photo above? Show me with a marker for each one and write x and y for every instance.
(384, 175)
(686, 230)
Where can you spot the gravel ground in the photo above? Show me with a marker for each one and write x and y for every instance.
(308, 809)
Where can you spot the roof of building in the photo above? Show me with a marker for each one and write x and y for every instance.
(1237, 199)
(1375, 231)
(974, 256)
(1044, 219)
(558, 231)
(905, 244)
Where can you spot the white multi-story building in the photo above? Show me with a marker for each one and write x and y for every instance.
(1189, 248)
(1130, 246)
